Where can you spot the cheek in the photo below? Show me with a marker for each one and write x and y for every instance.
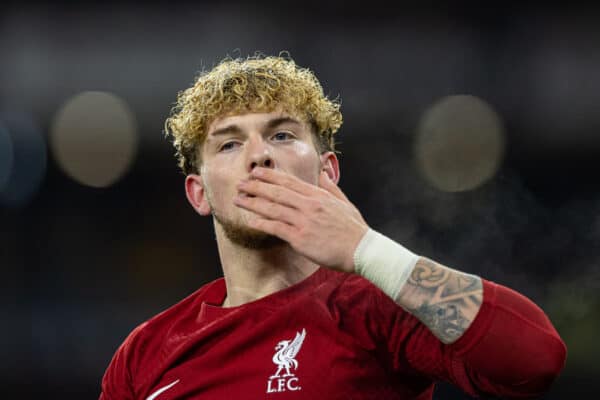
(215, 184)
(308, 163)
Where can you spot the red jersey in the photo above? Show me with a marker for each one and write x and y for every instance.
(331, 336)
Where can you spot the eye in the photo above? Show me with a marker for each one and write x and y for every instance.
(228, 146)
(281, 136)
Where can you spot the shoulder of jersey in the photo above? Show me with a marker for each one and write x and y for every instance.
(161, 321)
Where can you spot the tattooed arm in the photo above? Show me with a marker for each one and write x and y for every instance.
(445, 300)
(507, 348)
(498, 342)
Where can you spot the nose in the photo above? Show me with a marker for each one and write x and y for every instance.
(260, 156)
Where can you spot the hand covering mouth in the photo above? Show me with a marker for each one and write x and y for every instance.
(244, 194)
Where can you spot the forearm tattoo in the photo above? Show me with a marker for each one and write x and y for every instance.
(445, 300)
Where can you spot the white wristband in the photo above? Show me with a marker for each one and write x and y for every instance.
(384, 262)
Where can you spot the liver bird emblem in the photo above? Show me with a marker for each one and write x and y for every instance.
(284, 358)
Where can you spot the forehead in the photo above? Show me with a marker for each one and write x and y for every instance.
(251, 120)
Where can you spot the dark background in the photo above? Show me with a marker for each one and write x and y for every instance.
(81, 266)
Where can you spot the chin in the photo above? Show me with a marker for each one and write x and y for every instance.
(246, 237)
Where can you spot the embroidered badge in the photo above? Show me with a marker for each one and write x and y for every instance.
(285, 359)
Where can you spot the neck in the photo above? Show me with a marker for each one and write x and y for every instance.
(251, 274)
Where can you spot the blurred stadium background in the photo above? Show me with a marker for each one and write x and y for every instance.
(471, 135)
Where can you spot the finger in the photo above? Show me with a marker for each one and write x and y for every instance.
(270, 175)
(331, 187)
(275, 193)
(275, 228)
(268, 209)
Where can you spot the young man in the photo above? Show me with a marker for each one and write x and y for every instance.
(314, 304)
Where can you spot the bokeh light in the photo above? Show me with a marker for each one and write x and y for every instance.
(22, 158)
(460, 143)
(94, 138)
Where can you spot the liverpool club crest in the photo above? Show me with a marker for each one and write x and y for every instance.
(285, 359)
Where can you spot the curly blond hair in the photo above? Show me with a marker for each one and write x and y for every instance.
(253, 84)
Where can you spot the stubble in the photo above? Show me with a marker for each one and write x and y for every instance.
(247, 237)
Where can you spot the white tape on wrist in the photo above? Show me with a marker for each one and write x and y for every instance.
(384, 262)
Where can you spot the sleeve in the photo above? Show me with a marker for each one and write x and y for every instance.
(511, 349)
(117, 382)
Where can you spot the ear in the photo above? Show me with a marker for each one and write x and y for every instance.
(331, 166)
(196, 195)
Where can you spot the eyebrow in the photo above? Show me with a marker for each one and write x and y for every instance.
(229, 129)
(282, 120)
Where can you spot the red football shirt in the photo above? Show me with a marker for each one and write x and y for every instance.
(331, 336)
